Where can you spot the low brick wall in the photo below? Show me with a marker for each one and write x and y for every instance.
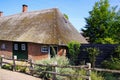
(106, 52)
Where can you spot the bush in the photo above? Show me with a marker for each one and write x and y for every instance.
(21, 69)
(60, 60)
(93, 52)
(114, 63)
(21, 66)
(63, 61)
(109, 76)
(74, 50)
(7, 66)
(96, 76)
(117, 52)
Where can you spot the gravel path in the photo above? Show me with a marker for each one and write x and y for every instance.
(10, 75)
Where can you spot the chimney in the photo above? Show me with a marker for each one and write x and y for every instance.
(1, 13)
(24, 8)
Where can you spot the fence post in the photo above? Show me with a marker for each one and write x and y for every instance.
(14, 65)
(54, 70)
(1, 61)
(89, 71)
(31, 67)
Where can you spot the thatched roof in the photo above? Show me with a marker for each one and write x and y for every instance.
(46, 26)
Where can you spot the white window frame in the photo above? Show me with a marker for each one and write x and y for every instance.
(23, 47)
(15, 46)
(3, 46)
(45, 50)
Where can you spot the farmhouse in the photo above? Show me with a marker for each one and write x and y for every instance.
(33, 35)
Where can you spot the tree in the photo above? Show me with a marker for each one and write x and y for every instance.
(100, 25)
(93, 52)
(74, 50)
(117, 27)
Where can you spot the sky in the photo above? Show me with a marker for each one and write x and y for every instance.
(77, 10)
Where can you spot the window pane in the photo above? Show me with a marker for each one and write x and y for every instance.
(15, 46)
(3, 46)
(23, 47)
(44, 49)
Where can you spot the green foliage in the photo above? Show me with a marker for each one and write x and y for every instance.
(66, 16)
(116, 26)
(53, 52)
(102, 26)
(117, 52)
(21, 69)
(74, 50)
(63, 61)
(93, 52)
(7, 66)
(96, 76)
(109, 76)
(60, 60)
(106, 41)
(112, 64)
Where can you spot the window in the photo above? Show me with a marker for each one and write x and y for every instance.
(15, 46)
(3, 46)
(23, 47)
(44, 49)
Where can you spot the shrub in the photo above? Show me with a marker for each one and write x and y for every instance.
(114, 63)
(93, 52)
(21, 66)
(63, 61)
(74, 50)
(109, 76)
(96, 76)
(7, 66)
(60, 60)
(21, 69)
(117, 52)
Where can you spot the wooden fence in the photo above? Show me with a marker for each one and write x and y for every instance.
(14, 62)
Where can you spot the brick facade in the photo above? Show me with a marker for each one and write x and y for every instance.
(7, 52)
(34, 50)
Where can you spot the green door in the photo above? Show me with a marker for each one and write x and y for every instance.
(20, 49)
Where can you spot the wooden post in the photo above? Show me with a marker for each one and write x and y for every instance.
(31, 67)
(1, 60)
(54, 70)
(89, 71)
(14, 65)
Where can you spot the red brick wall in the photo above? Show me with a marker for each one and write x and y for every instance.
(7, 52)
(34, 52)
